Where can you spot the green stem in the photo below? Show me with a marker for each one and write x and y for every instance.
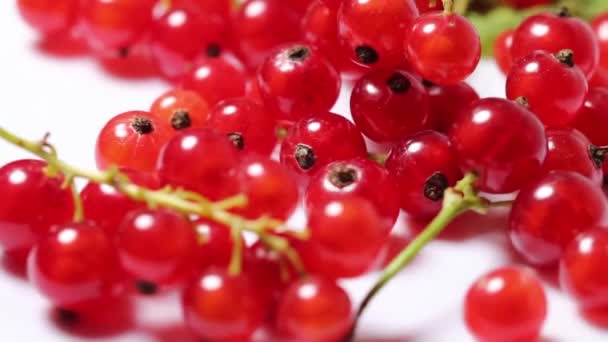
(448, 6)
(78, 207)
(236, 260)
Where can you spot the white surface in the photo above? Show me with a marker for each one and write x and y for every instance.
(73, 98)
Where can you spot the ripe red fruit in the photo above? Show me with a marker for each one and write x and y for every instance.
(443, 48)
(181, 109)
(423, 167)
(355, 177)
(599, 26)
(200, 160)
(446, 102)
(593, 116)
(215, 243)
(261, 25)
(106, 206)
(503, 165)
(221, 307)
(508, 304)
(271, 189)
(31, 203)
(502, 51)
(600, 78)
(389, 104)
(564, 86)
(131, 140)
(374, 31)
(569, 150)
(49, 17)
(547, 216)
(75, 265)
(583, 274)
(315, 309)
(296, 82)
(115, 24)
(157, 246)
(555, 32)
(269, 271)
(246, 123)
(318, 140)
(425, 6)
(213, 7)
(216, 78)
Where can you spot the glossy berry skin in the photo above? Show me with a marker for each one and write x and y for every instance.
(200, 160)
(131, 140)
(423, 167)
(247, 123)
(346, 237)
(564, 87)
(315, 309)
(502, 51)
(181, 109)
(600, 27)
(221, 307)
(548, 215)
(552, 33)
(425, 6)
(593, 116)
(389, 104)
(215, 243)
(583, 274)
(374, 31)
(508, 304)
(507, 164)
(49, 16)
(31, 204)
(216, 78)
(157, 246)
(75, 265)
(261, 25)
(569, 150)
(271, 188)
(355, 177)
(599, 79)
(318, 140)
(446, 102)
(270, 271)
(210, 7)
(107, 207)
(296, 82)
(115, 24)
(444, 49)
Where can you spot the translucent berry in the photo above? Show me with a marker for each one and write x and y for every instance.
(446, 103)
(593, 116)
(49, 17)
(600, 27)
(181, 109)
(502, 51)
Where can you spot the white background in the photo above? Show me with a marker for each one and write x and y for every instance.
(73, 97)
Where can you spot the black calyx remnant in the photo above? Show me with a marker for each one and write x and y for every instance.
(142, 125)
(146, 287)
(522, 101)
(435, 186)
(428, 84)
(399, 83)
(67, 316)
(566, 57)
(366, 54)
(305, 157)
(237, 140)
(343, 176)
(598, 155)
(564, 12)
(181, 120)
(213, 50)
(298, 53)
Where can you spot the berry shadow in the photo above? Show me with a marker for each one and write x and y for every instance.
(61, 46)
(129, 67)
(15, 265)
(170, 333)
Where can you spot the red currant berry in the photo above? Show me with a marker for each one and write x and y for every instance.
(423, 167)
(49, 17)
(246, 123)
(157, 246)
(359, 177)
(547, 216)
(426, 6)
(317, 141)
(446, 102)
(115, 24)
(181, 109)
(301, 5)
(564, 86)
(261, 25)
(269, 270)
(502, 51)
(593, 116)
(389, 104)
(213, 7)
(600, 28)
(221, 307)
(443, 48)
(508, 304)
(31, 203)
(131, 140)
(569, 150)
(215, 243)
(271, 189)
(374, 30)
(75, 266)
(555, 32)
(106, 206)
(181, 34)
(297, 81)
(216, 78)
(200, 160)
(600, 78)
(315, 309)
(504, 165)
(583, 274)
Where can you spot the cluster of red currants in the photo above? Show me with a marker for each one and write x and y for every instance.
(245, 74)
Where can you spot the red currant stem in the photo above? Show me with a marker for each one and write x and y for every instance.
(448, 6)
(236, 260)
(500, 204)
(237, 201)
(456, 201)
(78, 206)
(461, 6)
(282, 246)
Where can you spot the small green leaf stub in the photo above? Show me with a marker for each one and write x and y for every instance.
(305, 157)
(237, 140)
(366, 54)
(181, 120)
(435, 186)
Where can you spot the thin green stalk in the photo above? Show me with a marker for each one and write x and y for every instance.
(236, 260)
(448, 6)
